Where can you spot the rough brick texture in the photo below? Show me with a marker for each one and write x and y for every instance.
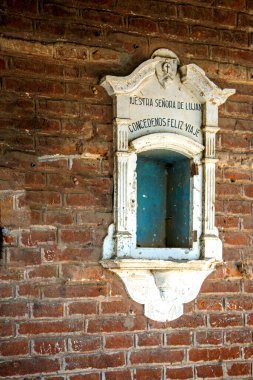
(62, 316)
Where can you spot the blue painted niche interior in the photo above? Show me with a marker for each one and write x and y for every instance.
(164, 195)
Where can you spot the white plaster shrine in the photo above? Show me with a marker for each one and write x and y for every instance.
(164, 107)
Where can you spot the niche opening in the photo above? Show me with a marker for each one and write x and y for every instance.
(164, 200)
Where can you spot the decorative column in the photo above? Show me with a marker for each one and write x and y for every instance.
(212, 246)
(124, 200)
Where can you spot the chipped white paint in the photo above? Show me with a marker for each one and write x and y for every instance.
(159, 106)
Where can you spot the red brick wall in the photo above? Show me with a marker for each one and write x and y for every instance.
(63, 317)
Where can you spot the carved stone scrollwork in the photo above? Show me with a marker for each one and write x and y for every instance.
(162, 287)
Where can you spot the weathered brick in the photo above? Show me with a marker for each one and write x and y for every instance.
(247, 223)
(232, 38)
(199, 51)
(95, 361)
(248, 191)
(26, 6)
(233, 270)
(233, 71)
(82, 308)
(245, 21)
(78, 90)
(44, 198)
(90, 218)
(238, 336)
(224, 17)
(238, 108)
(89, 200)
(79, 33)
(248, 352)
(12, 310)
(202, 33)
(142, 24)
(242, 303)
(102, 18)
(58, 217)
(56, 107)
(47, 310)
(237, 174)
(54, 145)
(215, 304)
(72, 254)
(6, 329)
(35, 180)
(27, 47)
(209, 337)
(225, 190)
(48, 346)
(6, 291)
(235, 141)
(27, 290)
(185, 321)
(118, 375)
(28, 366)
(37, 237)
(238, 369)
(78, 127)
(211, 354)
(119, 324)
(85, 344)
(195, 13)
(232, 253)
(61, 180)
(43, 272)
(209, 371)
(99, 112)
(153, 8)
(236, 238)
(75, 237)
(2, 64)
(149, 339)
(34, 86)
(81, 273)
(133, 44)
(87, 376)
(57, 10)
(156, 356)
(146, 374)
(243, 125)
(182, 338)
(119, 341)
(233, 4)
(14, 347)
(229, 55)
(174, 28)
(10, 275)
(238, 207)
(11, 23)
(105, 55)
(75, 291)
(227, 222)
(179, 373)
(51, 327)
(226, 320)
(115, 307)
(250, 319)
